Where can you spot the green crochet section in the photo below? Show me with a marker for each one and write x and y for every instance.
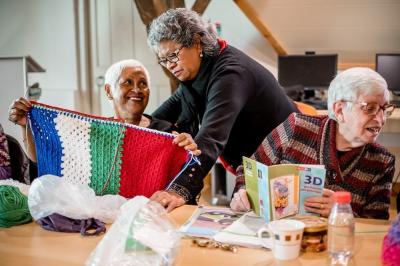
(105, 146)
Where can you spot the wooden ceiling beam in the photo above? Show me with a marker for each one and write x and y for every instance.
(150, 9)
(175, 3)
(251, 14)
(200, 6)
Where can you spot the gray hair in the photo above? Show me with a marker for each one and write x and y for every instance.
(113, 73)
(353, 82)
(181, 26)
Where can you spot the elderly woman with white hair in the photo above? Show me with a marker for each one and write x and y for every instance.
(344, 141)
(127, 86)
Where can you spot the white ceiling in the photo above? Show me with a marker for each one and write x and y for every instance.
(355, 29)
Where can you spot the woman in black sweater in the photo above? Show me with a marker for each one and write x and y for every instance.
(226, 100)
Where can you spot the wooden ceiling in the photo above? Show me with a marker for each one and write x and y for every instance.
(355, 29)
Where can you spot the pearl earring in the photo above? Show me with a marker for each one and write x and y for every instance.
(201, 54)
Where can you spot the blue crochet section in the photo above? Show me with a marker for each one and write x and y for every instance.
(47, 141)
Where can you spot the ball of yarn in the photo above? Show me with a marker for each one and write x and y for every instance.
(14, 208)
(391, 245)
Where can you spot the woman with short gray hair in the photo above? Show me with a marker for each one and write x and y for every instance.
(181, 26)
(225, 99)
(350, 84)
(345, 142)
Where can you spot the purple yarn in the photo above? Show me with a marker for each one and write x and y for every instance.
(59, 223)
(394, 232)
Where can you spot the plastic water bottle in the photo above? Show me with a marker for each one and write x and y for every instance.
(341, 229)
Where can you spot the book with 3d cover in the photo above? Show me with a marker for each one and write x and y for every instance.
(279, 191)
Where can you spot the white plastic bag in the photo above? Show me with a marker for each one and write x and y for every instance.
(142, 235)
(52, 194)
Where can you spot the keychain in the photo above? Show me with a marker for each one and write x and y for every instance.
(208, 243)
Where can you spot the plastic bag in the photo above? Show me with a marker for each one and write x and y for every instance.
(142, 235)
(52, 194)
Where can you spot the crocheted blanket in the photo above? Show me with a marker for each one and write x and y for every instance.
(109, 156)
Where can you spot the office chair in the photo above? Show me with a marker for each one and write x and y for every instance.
(306, 108)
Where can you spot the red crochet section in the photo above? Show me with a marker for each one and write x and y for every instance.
(149, 162)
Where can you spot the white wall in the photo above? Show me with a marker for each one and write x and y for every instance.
(43, 29)
(238, 31)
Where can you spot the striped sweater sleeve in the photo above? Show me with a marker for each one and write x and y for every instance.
(378, 200)
(271, 149)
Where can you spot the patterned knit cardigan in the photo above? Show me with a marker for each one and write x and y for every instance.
(366, 172)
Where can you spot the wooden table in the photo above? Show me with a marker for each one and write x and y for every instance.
(31, 245)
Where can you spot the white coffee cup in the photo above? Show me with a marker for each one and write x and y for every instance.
(286, 237)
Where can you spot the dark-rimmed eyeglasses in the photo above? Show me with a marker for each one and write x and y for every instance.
(373, 108)
(172, 57)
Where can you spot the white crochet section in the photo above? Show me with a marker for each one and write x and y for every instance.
(75, 141)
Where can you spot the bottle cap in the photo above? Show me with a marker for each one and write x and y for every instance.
(342, 197)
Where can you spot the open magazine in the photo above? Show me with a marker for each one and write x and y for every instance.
(243, 232)
(279, 191)
(207, 221)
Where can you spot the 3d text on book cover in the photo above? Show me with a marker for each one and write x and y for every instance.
(279, 191)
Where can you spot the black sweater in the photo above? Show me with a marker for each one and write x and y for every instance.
(236, 101)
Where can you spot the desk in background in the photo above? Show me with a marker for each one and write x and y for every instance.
(31, 245)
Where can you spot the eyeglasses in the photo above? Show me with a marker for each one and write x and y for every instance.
(172, 57)
(373, 108)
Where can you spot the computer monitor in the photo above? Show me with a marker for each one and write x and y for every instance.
(310, 70)
(388, 65)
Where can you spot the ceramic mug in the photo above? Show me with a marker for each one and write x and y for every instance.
(286, 237)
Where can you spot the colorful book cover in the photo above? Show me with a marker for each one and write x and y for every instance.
(311, 184)
(279, 191)
(284, 190)
(251, 177)
(263, 191)
(257, 187)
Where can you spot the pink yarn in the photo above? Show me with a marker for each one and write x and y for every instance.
(390, 253)
(391, 245)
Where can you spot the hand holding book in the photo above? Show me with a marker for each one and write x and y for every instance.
(321, 205)
(240, 201)
(283, 190)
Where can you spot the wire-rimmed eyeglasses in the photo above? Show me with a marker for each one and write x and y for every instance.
(172, 57)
